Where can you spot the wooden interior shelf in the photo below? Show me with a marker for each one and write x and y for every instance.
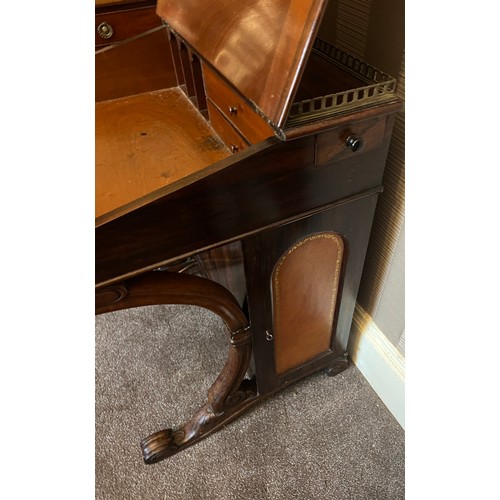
(147, 141)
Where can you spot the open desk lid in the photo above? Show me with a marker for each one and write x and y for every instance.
(260, 46)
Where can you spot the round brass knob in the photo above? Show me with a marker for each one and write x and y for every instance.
(354, 142)
(233, 110)
(104, 30)
(234, 148)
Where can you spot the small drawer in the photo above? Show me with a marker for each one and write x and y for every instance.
(225, 130)
(235, 109)
(353, 139)
(116, 26)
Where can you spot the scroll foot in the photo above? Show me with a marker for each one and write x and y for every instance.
(338, 365)
(158, 446)
(230, 394)
(205, 421)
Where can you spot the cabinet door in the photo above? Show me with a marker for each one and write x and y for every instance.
(302, 281)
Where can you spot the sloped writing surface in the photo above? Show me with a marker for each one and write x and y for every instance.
(260, 46)
(147, 141)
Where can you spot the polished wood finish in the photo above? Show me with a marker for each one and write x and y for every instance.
(224, 265)
(126, 24)
(147, 141)
(228, 392)
(304, 291)
(321, 77)
(351, 218)
(230, 204)
(260, 46)
(331, 146)
(230, 136)
(279, 228)
(249, 124)
(139, 66)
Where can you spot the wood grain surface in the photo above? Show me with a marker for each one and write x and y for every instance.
(226, 131)
(252, 126)
(126, 23)
(134, 67)
(260, 45)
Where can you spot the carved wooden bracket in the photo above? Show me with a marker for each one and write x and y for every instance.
(229, 395)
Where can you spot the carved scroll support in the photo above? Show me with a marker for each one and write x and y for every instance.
(230, 395)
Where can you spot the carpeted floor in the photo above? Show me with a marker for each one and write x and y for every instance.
(322, 438)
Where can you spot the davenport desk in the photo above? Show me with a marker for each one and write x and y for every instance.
(238, 163)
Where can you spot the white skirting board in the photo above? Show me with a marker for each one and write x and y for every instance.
(382, 364)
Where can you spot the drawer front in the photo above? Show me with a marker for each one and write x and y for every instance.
(114, 27)
(225, 131)
(353, 139)
(235, 109)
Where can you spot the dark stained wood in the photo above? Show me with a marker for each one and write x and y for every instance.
(262, 251)
(224, 265)
(244, 195)
(171, 197)
(205, 421)
(227, 392)
(260, 46)
(322, 78)
(328, 123)
(176, 58)
(164, 287)
(135, 67)
(147, 141)
(199, 87)
(184, 56)
(331, 146)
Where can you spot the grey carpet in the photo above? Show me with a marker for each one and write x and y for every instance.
(322, 438)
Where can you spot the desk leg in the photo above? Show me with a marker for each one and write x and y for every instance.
(230, 395)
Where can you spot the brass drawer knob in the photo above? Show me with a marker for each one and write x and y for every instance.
(233, 110)
(104, 30)
(234, 148)
(354, 142)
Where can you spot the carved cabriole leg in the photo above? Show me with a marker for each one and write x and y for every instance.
(229, 395)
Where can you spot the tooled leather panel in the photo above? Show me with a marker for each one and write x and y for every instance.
(305, 287)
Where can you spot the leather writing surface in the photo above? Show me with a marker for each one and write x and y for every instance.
(260, 46)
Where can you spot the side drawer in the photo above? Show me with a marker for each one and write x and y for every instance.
(112, 27)
(352, 139)
(235, 109)
(225, 131)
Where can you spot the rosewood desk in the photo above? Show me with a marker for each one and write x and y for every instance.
(238, 163)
